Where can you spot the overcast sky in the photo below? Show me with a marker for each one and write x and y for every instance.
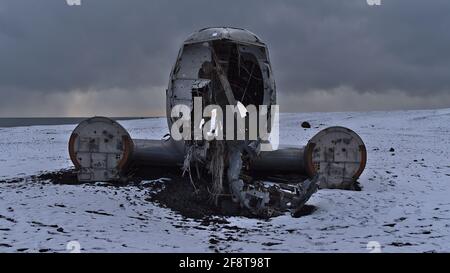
(113, 57)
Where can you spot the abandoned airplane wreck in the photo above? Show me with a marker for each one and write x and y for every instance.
(224, 67)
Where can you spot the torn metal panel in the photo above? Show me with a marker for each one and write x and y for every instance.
(190, 61)
(223, 79)
(199, 84)
(262, 57)
(226, 57)
(267, 199)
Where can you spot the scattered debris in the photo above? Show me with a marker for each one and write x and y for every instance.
(172, 191)
(99, 212)
(400, 244)
(306, 125)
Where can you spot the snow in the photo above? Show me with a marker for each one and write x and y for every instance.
(404, 204)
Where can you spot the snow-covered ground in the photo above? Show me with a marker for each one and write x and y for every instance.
(404, 204)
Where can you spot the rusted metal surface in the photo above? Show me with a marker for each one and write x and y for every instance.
(100, 148)
(72, 153)
(128, 148)
(338, 155)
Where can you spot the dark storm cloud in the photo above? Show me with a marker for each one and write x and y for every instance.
(114, 48)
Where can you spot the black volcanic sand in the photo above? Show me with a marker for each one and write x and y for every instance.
(177, 193)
